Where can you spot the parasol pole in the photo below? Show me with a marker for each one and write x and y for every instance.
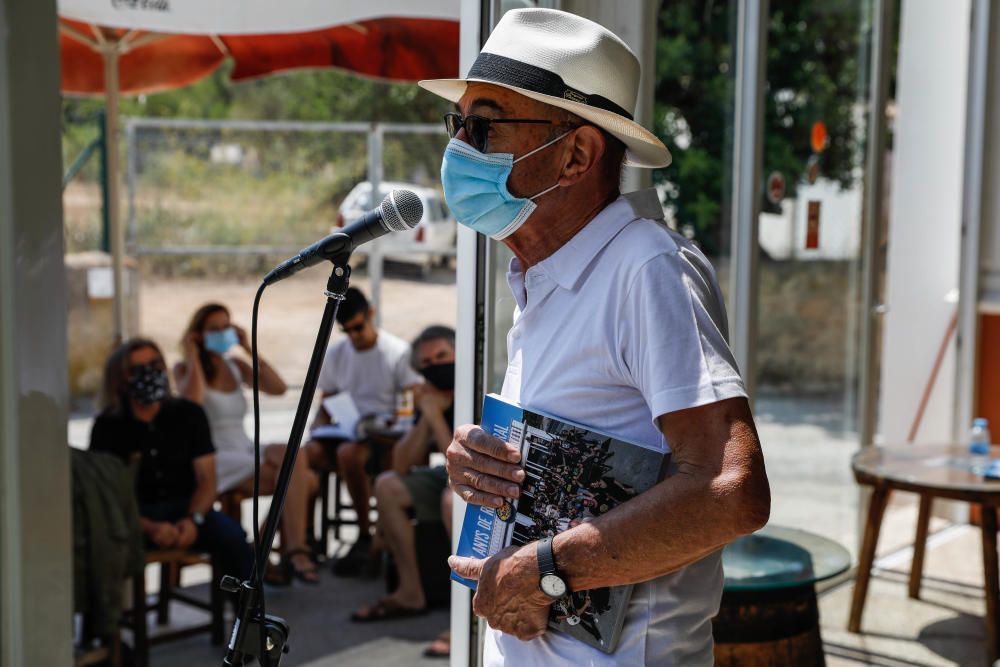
(110, 54)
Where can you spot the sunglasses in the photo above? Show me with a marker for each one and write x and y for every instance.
(355, 329)
(477, 128)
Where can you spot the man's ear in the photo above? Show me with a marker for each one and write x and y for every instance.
(371, 313)
(586, 147)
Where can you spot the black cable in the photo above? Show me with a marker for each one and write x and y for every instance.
(257, 576)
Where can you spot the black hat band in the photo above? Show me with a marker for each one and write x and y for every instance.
(510, 72)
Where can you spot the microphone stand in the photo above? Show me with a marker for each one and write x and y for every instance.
(246, 640)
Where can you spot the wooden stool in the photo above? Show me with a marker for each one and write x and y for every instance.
(171, 563)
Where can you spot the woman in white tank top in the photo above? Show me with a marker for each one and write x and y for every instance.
(214, 380)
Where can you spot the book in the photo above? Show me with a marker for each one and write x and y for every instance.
(344, 418)
(572, 473)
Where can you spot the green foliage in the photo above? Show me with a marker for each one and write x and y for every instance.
(815, 71)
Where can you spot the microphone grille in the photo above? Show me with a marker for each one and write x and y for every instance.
(401, 210)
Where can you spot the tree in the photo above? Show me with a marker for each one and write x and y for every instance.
(815, 71)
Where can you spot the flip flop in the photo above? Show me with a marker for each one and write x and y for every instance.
(386, 609)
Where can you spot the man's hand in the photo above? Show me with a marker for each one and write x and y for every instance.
(163, 534)
(507, 594)
(481, 468)
(187, 533)
(432, 400)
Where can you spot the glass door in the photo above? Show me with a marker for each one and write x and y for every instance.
(809, 298)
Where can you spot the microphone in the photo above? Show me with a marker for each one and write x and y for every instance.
(399, 211)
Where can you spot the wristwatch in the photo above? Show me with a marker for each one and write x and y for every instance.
(550, 579)
(198, 518)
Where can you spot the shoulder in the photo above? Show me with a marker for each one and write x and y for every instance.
(336, 352)
(648, 250)
(183, 407)
(392, 344)
(108, 419)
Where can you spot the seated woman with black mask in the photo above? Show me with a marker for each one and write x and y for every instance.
(175, 481)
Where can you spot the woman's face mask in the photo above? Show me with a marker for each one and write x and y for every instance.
(475, 187)
(221, 341)
(147, 383)
(440, 376)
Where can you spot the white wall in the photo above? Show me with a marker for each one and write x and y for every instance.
(784, 236)
(925, 216)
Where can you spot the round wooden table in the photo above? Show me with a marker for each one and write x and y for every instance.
(930, 471)
(769, 614)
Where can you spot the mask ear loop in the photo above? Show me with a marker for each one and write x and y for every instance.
(544, 192)
(547, 190)
(546, 145)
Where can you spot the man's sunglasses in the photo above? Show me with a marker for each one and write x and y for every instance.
(354, 329)
(477, 128)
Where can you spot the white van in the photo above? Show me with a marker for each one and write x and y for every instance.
(431, 242)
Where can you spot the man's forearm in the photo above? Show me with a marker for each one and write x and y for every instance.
(440, 429)
(674, 524)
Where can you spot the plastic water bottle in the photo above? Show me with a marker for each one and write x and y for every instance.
(979, 445)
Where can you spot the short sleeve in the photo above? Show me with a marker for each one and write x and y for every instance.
(672, 335)
(403, 372)
(327, 382)
(201, 433)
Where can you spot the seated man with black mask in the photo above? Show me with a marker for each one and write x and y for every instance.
(410, 487)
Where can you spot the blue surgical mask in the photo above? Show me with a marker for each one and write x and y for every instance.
(220, 341)
(475, 187)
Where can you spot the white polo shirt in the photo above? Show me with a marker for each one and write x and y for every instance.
(622, 324)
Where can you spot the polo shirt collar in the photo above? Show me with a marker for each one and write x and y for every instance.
(566, 265)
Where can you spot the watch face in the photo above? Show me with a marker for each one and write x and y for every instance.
(553, 586)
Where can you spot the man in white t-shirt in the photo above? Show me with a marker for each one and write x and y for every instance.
(619, 326)
(373, 366)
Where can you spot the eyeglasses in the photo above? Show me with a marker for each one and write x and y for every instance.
(477, 128)
(355, 329)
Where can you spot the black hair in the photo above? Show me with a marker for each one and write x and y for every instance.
(354, 303)
(433, 332)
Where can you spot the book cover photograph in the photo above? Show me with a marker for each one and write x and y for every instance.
(572, 474)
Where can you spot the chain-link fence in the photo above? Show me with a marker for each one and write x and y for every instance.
(218, 198)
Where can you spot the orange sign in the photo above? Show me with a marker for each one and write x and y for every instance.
(818, 137)
(812, 226)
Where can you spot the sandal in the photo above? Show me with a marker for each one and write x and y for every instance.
(440, 647)
(384, 610)
(308, 575)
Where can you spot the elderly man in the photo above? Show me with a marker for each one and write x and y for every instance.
(619, 325)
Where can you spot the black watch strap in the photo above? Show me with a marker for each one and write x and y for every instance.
(546, 559)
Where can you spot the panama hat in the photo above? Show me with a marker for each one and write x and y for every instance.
(568, 62)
